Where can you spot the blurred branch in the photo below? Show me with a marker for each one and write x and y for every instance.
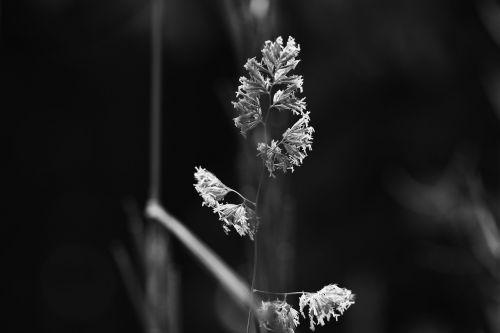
(154, 287)
(156, 85)
(136, 226)
(132, 284)
(228, 279)
(162, 282)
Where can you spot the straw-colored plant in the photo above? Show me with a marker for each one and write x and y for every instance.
(270, 79)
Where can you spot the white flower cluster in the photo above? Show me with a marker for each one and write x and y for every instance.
(264, 75)
(331, 301)
(212, 190)
(278, 316)
(295, 143)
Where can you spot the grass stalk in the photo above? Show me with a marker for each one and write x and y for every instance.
(233, 284)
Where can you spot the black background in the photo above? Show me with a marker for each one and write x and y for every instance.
(392, 86)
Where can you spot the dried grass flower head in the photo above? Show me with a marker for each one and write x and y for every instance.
(210, 188)
(294, 145)
(213, 192)
(330, 301)
(240, 217)
(278, 316)
(270, 77)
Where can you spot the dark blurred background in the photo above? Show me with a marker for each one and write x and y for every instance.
(398, 200)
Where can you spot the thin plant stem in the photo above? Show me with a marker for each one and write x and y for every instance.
(156, 87)
(241, 196)
(275, 293)
(255, 248)
(257, 195)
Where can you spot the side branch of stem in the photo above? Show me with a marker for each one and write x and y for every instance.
(241, 196)
(275, 293)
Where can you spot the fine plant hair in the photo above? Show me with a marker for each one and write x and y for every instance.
(270, 82)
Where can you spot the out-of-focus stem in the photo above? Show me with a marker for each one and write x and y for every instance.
(156, 86)
(132, 285)
(228, 279)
